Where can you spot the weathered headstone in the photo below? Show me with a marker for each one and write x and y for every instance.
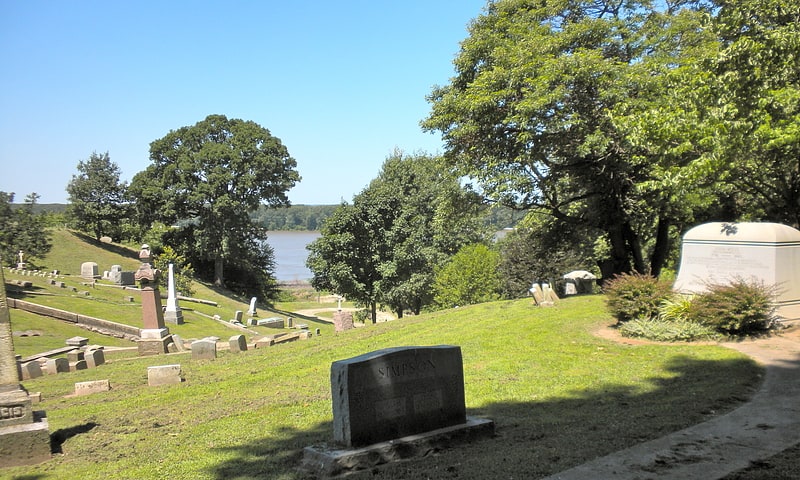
(94, 358)
(238, 343)
(718, 253)
(396, 392)
(173, 312)
(252, 311)
(89, 270)
(237, 316)
(31, 370)
(57, 365)
(94, 386)
(164, 375)
(115, 274)
(342, 321)
(204, 349)
(24, 434)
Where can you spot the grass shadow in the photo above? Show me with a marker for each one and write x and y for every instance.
(58, 437)
(533, 438)
(120, 250)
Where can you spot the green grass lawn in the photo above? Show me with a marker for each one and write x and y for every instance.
(558, 394)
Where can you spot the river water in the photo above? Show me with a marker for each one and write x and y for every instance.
(290, 254)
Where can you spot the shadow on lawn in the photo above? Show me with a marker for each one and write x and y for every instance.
(534, 438)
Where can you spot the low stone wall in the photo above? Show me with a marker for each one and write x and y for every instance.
(99, 325)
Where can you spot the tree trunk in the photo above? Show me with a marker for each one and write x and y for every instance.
(219, 278)
(661, 249)
(373, 312)
(634, 248)
(620, 259)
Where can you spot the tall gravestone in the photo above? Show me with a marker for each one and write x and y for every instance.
(718, 253)
(154, 337)
(173, 312)
(24, 433)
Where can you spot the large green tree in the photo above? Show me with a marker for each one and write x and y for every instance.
(384, 248)
(97, 203)
(210, 177)
(758, 90)
(540, 109)
(22, 230)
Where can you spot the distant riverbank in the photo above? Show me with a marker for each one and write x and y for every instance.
(291, 254)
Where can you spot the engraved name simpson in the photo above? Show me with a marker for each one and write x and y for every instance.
(405, 368)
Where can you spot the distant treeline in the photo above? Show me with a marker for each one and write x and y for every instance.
(295, 217)
(311, 217)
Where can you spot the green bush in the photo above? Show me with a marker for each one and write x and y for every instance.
(663, 330)
(675, 308)
(738, 308)
(632, 296)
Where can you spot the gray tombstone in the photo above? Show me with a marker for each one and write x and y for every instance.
(238, 343)
(31, 370)
(89, 270)
(237, 317)
(252, 311)
(204, 349)
(94, 358)
(115, 274)
(57, 365)
(127, 278)
(396, 392)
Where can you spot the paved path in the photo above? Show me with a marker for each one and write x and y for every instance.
(765, 426)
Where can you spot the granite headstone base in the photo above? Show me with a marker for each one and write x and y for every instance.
(154, 346)
(326, 461)
(24, 433)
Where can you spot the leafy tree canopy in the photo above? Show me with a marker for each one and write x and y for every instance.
(541, 109)
(22, 230)
(211, 176)
(385, 246)
(97, 198)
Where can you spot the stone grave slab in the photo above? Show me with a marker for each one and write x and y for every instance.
(164, 375)
(94, 386)
(238, 343)
(204, 349)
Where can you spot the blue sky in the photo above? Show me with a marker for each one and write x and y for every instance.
(342, 84)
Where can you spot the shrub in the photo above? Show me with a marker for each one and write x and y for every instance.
(738, 308)
(663, 330)
(631, 296)
(675, 308)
